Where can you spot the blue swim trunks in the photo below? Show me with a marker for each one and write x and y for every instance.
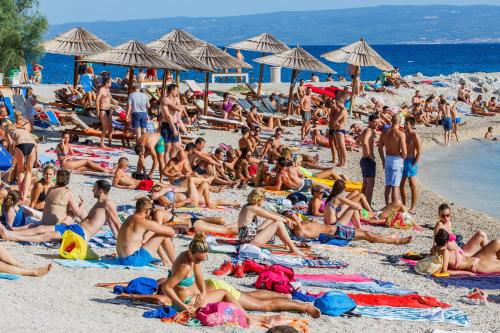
(75, 227)
(447, 124)
(409, 169)
(344, 232)
(140, 258)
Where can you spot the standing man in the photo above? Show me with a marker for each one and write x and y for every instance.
(367, 162)
(414, 149)
(306, 109)
(137, 111)
(394, 141)
(170, 110)
(446, 120)
(105, 110)
(337, 132)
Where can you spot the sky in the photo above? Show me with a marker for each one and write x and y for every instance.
(64, 11)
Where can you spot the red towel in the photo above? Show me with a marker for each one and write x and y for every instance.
(145, 185)
(406, 301)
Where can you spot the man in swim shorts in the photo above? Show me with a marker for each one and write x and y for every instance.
(447, 119)
(132, 245)
(151, 144)
(410, 168)
(394, 141)
(103, 212)
(289, 176)
(367, 162)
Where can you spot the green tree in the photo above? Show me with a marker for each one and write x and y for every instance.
(21, 31)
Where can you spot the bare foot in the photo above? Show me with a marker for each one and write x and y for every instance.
(404, 241)
(313, 311)
(43, 270)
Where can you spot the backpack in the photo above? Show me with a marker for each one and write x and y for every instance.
(215, 314)
(334, 303)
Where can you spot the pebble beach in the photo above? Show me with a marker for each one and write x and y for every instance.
(67, 299)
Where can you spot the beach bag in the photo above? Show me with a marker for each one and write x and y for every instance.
(430, 265)
(74, 247)
(334, 303)
(216, 314)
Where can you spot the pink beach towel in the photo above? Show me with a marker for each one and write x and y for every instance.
(333, 277)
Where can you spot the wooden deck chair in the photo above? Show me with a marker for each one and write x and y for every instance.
(213, 116)
(245, 105)
(264, 111)
(195, 88)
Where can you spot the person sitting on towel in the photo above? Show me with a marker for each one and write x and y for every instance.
(122, 180)
(103, 212)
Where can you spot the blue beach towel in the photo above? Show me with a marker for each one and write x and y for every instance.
(160, 313)
(332, 240)
(7, 276)
(112, 264)
(138, 286)
(488, 282)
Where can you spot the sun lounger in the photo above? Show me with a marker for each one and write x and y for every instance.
(46, 118)
(195, 88)
(70, 104)
(265, 112)
(245, 105)
(10, 107)
(212, 116)
(253, 89)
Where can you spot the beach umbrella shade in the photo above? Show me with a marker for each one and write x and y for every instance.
(297, 59)
(172, 52)
(133, 54)
(216, 59)
(358, 54)
(76, 42)
(264, 43)
(180, 37)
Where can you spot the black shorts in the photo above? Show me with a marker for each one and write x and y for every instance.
(26, 148)
(368, 167)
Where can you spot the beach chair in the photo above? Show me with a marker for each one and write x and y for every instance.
(46, 118)
(245, 105)
(265, 112)
(66, 103)
(10, 108)
(197, 90)
(216, 117)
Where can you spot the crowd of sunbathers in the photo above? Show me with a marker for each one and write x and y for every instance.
(320, 201)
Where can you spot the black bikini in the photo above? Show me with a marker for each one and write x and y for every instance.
(26, 148)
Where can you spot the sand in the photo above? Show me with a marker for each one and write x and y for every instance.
(66, 299)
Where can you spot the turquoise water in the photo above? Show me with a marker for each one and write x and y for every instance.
(468, 174)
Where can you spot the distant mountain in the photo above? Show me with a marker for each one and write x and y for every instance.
(378, 25)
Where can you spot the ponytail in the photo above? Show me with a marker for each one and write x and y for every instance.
(198, 244)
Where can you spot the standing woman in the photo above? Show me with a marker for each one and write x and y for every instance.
(29, 105)
(25, 152)
(66, 160)
(41, 187)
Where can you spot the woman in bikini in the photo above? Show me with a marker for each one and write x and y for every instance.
(339, 209)
(186, 287)
(10, 265)
(251, 231)
(26, 155)
(41, 187)
(22, 122)
(67, 160)
(12, 214)
(486, 260)
(478, 241)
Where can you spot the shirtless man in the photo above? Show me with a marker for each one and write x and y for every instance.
(272, 146)
(151, 144)
(331, 132)
(201, 162)
(289, 176)
(464, 94)
(246, 142)
(170, 110)
(410, 169)
(394, 141)
(377, 105)
(477, 107)
(255, 120)
(103, 212)
(367, 162)
(417, 99)
(59, 200)
(301, 90)
(306, 109)
(338, 119)
(104, 106)
(447, 120)
(122, 180)
(140, 237)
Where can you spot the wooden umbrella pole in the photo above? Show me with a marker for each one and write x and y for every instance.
(295, 73)
(163, 84)
(261, 75)
(178, 79)
(205, 96)
(75, 72)
(130, 80)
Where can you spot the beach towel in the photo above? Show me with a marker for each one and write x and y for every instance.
(160, 313)
(487, 282)
(334, 277)
(403, 301)
(108, 263)
(7, 276)
(436, 315)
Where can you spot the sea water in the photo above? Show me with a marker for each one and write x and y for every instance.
(466, 173)
(431, 60)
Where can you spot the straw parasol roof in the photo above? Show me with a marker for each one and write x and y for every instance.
(76, 42)
(132, 54)
(217, 59)
(358, 54)
(180, 37)
(176, 54)
(265, 43)
(296, 58)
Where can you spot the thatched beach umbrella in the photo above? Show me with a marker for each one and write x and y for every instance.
(76, 42)
(180, 37)
(133, 54)
(172, 52)
(298, 60)
(216, 59)
(358, 54)
(264, 43)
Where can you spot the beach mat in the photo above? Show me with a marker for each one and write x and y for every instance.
(487, 282)
(11, 277)
(110, 264)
